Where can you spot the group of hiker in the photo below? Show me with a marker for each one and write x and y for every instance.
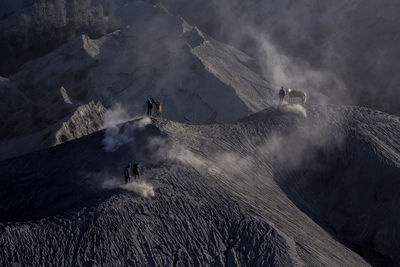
(157, 106)
(131, 170)
(282, 93)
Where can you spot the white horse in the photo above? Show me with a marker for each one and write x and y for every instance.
(296, 93)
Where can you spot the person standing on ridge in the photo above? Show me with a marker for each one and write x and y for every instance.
(150, 102)
(135, 170)
(282, 94)
(126, 173)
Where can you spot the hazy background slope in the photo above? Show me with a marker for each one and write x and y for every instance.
(198, 79)
(346, 50)
(208, 61)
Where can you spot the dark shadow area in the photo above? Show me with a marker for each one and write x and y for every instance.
(69, 176)
(350, 190)
(41, 30)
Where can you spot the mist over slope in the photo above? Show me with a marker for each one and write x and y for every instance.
(341, 51)
(118, 51)
(198, 79)
(252, 192)
(344, 50)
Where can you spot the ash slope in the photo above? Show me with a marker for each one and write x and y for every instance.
(198, 79)
(339, 36)
(249, 192)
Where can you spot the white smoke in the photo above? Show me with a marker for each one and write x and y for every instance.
(108, 183)
(282, 70)
(274, 33)
(286, 150)
(231, 164)
(117, 135)
(114, 116)
(295, 108)
(141, 187)
(187, 157)
(227, 164)
(143, 122)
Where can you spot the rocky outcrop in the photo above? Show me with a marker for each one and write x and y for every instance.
(85, 120)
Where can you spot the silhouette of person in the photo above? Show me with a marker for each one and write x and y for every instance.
(282, 94)
(126, 173)
(135, 170)
(150, 102)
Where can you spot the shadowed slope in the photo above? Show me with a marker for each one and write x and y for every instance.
(223, 193)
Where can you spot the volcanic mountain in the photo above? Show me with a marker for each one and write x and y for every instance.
(280, 187)
(228, 176)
